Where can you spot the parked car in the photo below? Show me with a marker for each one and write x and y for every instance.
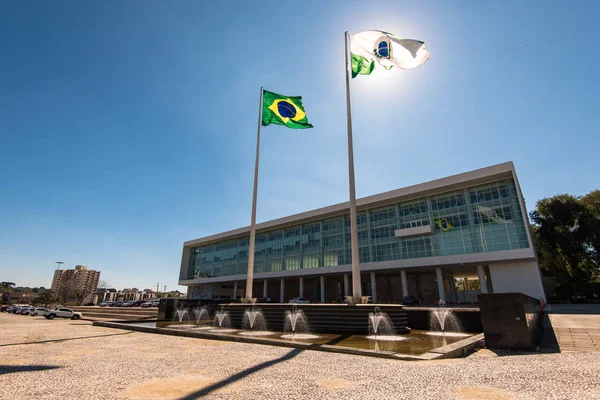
(10, 309)
(107, 304)
(126, 304)
(299, 300)
(4, 307)
(579, 298)
(264, 300)
(410, 301)
(62, 313)
(151, 303)
(38, 311)
(138, 303)
(26, 310)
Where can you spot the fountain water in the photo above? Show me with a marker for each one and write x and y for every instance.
(381, 327)
(443, 322)
(296, 323)
(223, 322)
(182, 316)
(254, 323)
(201, 317)
(200, 313)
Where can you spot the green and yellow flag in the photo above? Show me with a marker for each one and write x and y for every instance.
(283, 110)
(443, 224)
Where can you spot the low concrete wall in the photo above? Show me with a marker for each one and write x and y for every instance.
(470, 318)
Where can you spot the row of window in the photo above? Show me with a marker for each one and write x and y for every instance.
(484, 218)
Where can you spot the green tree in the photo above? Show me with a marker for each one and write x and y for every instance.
(592, 202)
(45, 298)
(5, 289)
(566, 232)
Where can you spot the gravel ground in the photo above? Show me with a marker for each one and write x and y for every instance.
(79, 361)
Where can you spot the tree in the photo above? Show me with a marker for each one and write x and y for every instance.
(103, 285)
(592, 202)
(6, 286)
(566, 233)
(5, 289)
(46, 298)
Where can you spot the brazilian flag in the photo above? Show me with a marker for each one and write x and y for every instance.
(283, 110)
(443, 224)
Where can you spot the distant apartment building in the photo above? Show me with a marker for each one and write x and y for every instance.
(81, 281)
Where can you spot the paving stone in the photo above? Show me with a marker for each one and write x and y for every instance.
(111, 364)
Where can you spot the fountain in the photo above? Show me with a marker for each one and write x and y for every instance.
(381, 327)
(254, 323)
(222, 322)
(181, 315)
(443, 322)
(296, 323)
(201, 314)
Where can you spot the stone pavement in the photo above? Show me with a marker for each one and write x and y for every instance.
(68, 360)
(576, 326)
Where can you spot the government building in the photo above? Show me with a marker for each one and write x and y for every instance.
(447, 239)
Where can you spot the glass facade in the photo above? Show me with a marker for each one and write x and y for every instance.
(478, 219)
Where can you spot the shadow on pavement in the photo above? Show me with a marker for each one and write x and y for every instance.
(241, 375)
(548, 342)
(8, 369)
(64, 340)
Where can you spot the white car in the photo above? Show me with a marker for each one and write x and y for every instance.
(62, 313)
(150, 303)
(37, 311)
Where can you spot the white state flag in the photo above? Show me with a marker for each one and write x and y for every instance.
(491, 214)
(387, 49)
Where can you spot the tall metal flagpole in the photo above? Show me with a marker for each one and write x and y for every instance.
(250, 274)
(356, 282)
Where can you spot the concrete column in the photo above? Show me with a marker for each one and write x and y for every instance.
(404, 283)
(322, 288)
(235, 290)
(265, 288)
(466, 283)
(373, 288)
(282, 291)
(453, 294)
(440, 283)
(482, 281)
(346, 285)
(301, 287)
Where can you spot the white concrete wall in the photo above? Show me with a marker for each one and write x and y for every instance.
(521, 277)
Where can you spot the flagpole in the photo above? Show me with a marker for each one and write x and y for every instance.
(356, 282)
(250, 273)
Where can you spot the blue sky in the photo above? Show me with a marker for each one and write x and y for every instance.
(127, 128)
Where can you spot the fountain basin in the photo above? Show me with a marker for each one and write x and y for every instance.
(448, 334)
(417, 346)
(299, 336)
(256, 333)
(387, 338)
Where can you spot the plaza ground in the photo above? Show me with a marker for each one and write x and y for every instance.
(64, 359)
